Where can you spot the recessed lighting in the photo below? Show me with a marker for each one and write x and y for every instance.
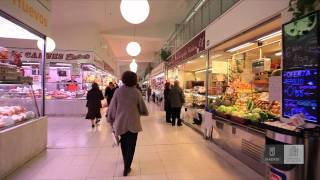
(269, 36)
(240, 47)
(216, 56)
(278, 53)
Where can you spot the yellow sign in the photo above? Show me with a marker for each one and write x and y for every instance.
(30, 11)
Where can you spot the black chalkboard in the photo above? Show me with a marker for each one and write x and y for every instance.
(301, 42)
(300, 93)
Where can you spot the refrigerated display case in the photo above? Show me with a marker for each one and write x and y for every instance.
(17, 105)
(23, 131)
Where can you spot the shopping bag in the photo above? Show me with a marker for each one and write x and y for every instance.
(116, 140)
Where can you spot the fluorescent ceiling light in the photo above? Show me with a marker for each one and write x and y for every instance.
(200, 71)
(63, 64)
(269, 36)
(160, 75)
(278, 53)
(59, 67)
(216, 56)
(30, 63)
(240, 47)
(10, 30)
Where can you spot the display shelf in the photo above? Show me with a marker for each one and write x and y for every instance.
(17, 107)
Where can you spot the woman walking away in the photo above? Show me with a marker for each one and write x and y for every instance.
(176, 97)
(167, 106)
(94, 98)
(125, 110)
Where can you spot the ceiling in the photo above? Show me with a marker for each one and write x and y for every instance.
(115, 31)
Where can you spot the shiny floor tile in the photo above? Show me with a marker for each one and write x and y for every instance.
(76, 151)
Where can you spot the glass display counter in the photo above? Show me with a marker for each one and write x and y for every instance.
(17, 105)
(66, 99)
(23, 132)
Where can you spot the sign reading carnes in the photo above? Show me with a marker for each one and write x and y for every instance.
(34, 13)
(35, 55)
(192, 48)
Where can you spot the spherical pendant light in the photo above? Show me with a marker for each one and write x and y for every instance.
(135, 11)
(50, 45)
(133, 49)
(133, 66)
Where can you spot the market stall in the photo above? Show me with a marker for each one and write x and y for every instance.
(156, 82)
(69, 75)
(190, 69)
(243, 78)
(262, 106)
(23, 126)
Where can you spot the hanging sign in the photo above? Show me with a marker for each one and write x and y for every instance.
(192, 48)
(34, 13)
(301, 43)
(35, 55)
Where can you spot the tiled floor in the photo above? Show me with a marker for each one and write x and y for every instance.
(75, 151)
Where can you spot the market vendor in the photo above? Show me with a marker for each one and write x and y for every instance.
(72, 84)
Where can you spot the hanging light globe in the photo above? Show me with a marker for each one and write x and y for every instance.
(135, 11)
(133, 66)
(50, 45)
(133, 49)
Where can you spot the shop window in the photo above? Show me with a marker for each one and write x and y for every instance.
(242, 74)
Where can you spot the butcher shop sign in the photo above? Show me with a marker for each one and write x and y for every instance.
(35, 55)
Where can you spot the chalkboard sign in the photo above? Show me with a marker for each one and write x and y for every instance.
(300, 93)
(301, 42)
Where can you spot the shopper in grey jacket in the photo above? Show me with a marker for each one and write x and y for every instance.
(176, 97)
(126, 107)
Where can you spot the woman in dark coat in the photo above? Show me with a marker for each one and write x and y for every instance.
(94, 98)
(167, 106)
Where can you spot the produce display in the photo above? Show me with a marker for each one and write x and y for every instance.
(195, 97)
(251, 112)
(10, 115)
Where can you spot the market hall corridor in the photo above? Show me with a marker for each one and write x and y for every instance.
(76, 152)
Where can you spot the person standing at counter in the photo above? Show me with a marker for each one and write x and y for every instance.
(167, 106)
(72, 84)
(124, 116)
(176, 97)
(94, 98)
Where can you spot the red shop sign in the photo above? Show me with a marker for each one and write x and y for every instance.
(195, 46)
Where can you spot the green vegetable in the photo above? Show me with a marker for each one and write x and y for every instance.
(264, 116)
(257, 110)
(250, 105)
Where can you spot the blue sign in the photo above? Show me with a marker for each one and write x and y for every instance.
(300, 93)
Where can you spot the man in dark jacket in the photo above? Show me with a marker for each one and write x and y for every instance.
(109, 92)
(176, 97)
(167, 106)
